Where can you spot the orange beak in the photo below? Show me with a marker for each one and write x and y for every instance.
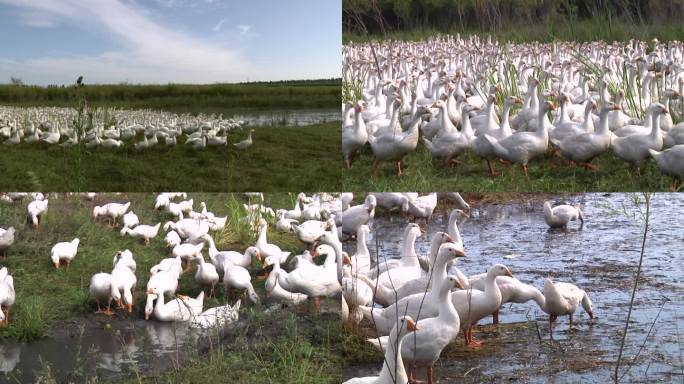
(457, 284)
(346, 260)
(509, 274)
(411, 325)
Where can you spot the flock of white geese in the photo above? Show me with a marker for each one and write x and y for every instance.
(289, 278)
(113, 128)
(494, 99)
(418, 304)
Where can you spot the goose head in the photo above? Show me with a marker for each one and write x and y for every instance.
(499, 270)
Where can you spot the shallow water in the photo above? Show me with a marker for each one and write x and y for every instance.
(287, 118)
(600, 258)
(100, 345)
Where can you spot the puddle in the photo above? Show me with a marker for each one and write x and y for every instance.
(601, 258)
(108, 347)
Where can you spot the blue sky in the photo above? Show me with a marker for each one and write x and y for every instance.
(161, 41)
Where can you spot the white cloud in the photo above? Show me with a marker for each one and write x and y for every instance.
(218, 25)
(244, 29)
(151, 52)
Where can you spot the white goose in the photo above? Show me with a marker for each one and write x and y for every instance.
(145, 232)
(111, 210)
(562, 299)
(422, 207)
(7, 296)
(316, 281)
(64, 251)
(361, 260)
(6, 240)
(246, 143)
(358, 215)
(217, 317)
(206, 274)
(473, 305)
(272, 285)
(512, 291)
(393, 370)
(35, 210)
(409, 258)
(237, 277)
(220, 258)
(393, 147)
(634, 148)
(310, 231)
(670, 162)
(123, 284)
(101, 289)
(425, 305)
(354, 137)
(174, 310)
(482, 147)
(130, 220)
(423, 346)
(560, 215)
(585, 147)
(521, 147)
(265, 248)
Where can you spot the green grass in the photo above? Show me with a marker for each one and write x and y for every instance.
(45, 294)
(207, 98)
(289, 159)
(421, 173)
(281, 159)
(582, 31)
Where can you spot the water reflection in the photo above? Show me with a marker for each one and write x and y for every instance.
(106, 347)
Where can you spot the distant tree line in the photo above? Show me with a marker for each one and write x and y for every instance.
(381, 16)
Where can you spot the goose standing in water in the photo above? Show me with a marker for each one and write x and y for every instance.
(562, 299)
(560, 215)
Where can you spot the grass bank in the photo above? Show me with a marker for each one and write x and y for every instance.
(289, 159)
(421, 173)
(190, 98)
(281, 159)
(45, 294)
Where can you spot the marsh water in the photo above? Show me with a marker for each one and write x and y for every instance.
(108, 347)
(601, 258)
(287, 118)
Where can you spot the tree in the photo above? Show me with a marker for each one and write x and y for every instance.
(16, 81)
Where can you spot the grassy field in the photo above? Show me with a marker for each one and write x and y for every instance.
(289, 159)
(421, 173)
(182, 97)
(281, 159)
